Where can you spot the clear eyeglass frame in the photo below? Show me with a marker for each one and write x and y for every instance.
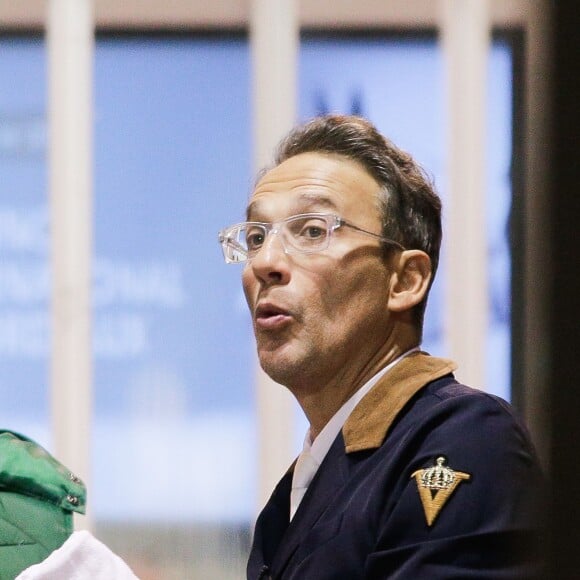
(306, 233)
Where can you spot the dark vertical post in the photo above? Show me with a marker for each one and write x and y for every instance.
(564, 332)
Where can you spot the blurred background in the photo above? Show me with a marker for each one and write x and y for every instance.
(130, 134)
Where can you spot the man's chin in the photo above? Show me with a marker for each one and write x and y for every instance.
(277, 365)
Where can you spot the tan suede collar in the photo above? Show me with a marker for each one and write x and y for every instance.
(367, 426)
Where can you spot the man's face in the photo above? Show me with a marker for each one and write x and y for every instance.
(318, 316)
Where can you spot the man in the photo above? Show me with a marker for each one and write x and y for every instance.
(405, 473)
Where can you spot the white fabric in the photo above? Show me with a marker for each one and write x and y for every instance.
(81, 557)
(304, 470)
(314, 452)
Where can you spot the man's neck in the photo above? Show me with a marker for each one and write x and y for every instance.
(320, 404)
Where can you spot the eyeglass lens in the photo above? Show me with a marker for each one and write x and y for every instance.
(299, 233)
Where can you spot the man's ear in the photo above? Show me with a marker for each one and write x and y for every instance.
(410, 280)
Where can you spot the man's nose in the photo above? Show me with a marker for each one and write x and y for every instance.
(270, 263)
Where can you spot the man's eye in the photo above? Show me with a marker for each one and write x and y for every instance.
(254, 240)
(313, 232)
(311, 229)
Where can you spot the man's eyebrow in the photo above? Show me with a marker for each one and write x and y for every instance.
(303, 203)
(251, 208)
(310, 198)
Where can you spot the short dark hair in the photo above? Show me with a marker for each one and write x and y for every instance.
(410, 208)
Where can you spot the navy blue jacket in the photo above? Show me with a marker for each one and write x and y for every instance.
(428, 479)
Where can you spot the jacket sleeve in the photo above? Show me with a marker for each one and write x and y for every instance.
(483, 501)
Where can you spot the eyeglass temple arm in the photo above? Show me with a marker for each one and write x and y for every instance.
(376, 236)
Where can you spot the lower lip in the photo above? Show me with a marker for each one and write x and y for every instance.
(273, 322)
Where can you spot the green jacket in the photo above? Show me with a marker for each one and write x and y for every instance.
(37, 498)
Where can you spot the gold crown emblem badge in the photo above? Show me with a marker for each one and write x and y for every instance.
(438, 477)
(435, 485)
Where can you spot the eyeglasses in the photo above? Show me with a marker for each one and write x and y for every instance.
(306, 233)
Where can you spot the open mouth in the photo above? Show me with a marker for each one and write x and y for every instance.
(269, 316)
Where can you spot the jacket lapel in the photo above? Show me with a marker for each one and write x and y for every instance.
(329, 479)
(270, 527)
